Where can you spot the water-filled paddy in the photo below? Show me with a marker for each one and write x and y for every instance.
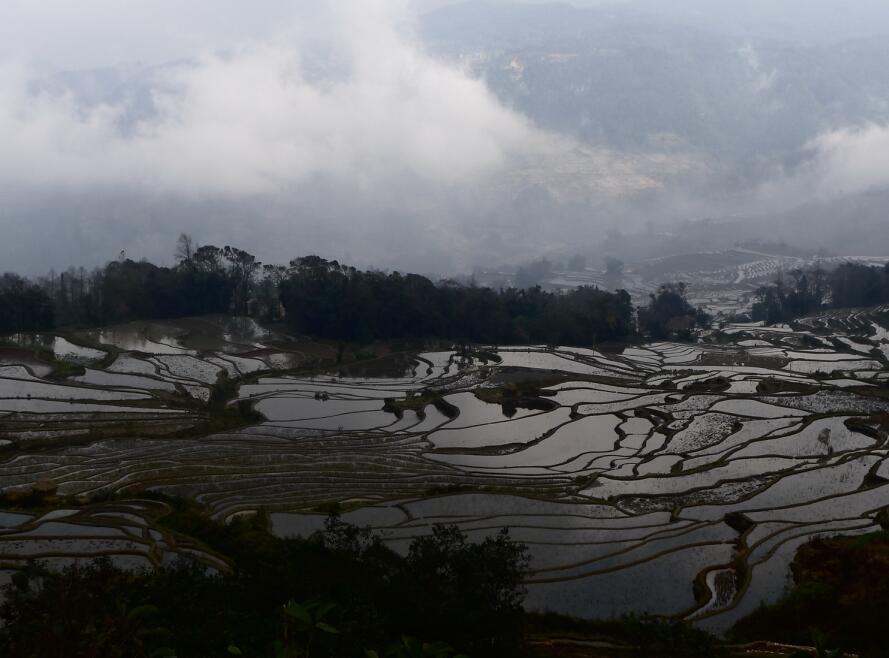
(619, 479)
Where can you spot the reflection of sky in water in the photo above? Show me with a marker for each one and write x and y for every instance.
(655, 557)
(62, 348)
(103, 378)
(132, 340)
(39, 368)
(19, 388)
(68, 351)
(63, 407)
(287, 408)
(12, 519)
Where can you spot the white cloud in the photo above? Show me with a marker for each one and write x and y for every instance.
(330, 126)
(73, 34)
(251, 121)
(851, 160)
(838, 163)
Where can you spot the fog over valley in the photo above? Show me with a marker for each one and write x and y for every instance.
(476, 132)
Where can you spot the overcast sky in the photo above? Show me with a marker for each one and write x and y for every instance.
(88, 33)
(244, 123)
(284, 126)
(93, 33)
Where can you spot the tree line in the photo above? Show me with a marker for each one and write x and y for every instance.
(803, 292)
(336, 301)
(329, 300)
(24, 306)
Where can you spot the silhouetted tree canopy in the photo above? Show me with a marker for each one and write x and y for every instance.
(324, 298)
(329, 300)
(24, 306)
(447, 588)
(669, 315)
(803, 292)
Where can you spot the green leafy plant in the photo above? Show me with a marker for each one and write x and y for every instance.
(667, 638)
(821, 650)
(410, 647)
(302, 624)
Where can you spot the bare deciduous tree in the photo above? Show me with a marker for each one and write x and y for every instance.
(184, 248)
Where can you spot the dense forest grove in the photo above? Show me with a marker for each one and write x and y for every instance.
(804, 292)
(328, 300)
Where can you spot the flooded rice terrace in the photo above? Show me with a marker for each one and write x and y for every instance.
(675, 479)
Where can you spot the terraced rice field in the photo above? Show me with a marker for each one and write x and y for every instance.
(124, 532)
(675, 479)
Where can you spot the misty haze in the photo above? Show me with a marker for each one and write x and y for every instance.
(444, 328)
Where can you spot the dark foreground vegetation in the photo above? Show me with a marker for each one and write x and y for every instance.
(804, 292)
(342, 593)
(839, 601)
(328, 300)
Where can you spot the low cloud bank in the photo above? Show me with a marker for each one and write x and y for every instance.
(341, 112)
(254, 121)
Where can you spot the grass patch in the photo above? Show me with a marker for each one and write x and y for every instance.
(557, 636)
(512, 391)
(715, 385)
(240, 539)
(412, 403)
(515, 395)
(61, 369)
(482, 356)
(770, 386)
(418, 402)
(29, 499)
